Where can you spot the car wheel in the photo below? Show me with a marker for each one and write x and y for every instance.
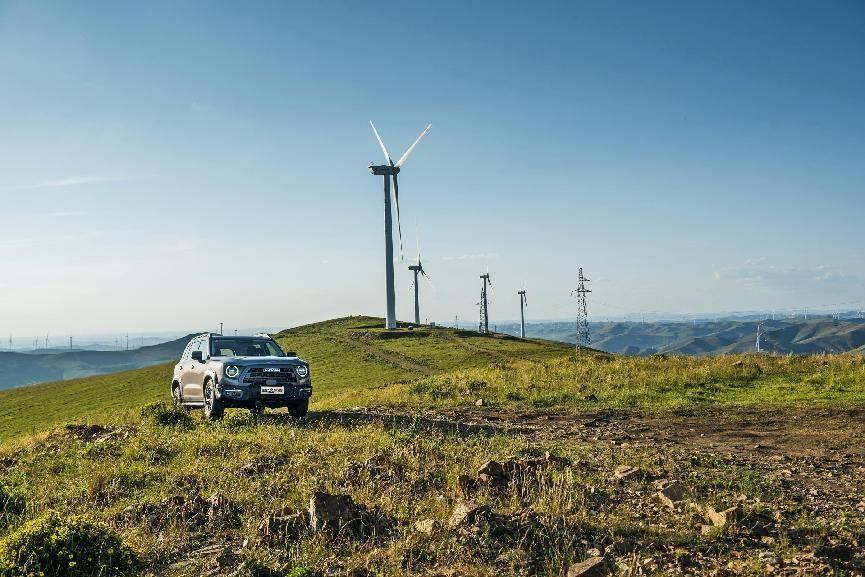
(299, 410)
(213, 409)
(176, 396)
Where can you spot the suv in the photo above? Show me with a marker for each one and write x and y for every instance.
(218, 372)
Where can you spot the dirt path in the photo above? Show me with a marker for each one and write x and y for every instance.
(818, 453)
(833, 434)
(391, 359)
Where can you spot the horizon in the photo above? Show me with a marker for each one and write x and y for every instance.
(691, 159)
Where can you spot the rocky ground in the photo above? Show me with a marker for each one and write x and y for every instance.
(469, 492)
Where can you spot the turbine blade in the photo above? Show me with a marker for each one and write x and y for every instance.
(398, 223)
(380, 143)
(404, 157)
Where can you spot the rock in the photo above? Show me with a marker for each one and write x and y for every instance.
(479, 403)
(626, 472)
(673, 494)
(722, 518)
(284, 525)
(492, 468)
(426, 526)
(465, 487)
(556, 460)
(838, 552)
(594, 567)
(465, 513)
(340, 515)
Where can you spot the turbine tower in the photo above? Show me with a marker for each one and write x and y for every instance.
(388, 171)
(523, 305)
(759, 336)
(484, 325)
(417, 269)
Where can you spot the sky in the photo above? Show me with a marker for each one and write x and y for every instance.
(169, 165)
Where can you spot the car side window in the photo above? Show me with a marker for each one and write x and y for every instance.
(202, 346)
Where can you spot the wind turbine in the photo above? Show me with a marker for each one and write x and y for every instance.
(388, 171)
(417, 268)
(523, 305)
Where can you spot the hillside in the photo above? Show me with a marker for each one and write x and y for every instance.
(399, 469)
(17, 369)
(357, 363)
(817, 335)
(347, 356)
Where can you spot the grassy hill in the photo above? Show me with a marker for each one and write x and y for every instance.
(348, 356)
(357, 363)
(18, 369)
(143, 489)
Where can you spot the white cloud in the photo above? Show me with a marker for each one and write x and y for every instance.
(72, 181)
(759, 273)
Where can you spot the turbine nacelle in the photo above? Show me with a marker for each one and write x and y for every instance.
(383, 169)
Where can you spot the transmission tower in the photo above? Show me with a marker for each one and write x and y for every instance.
(484, 324)
(583, 336)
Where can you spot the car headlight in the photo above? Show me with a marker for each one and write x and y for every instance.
(302, 371)
(232, 371)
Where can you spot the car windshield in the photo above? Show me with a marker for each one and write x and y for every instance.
(244, 347)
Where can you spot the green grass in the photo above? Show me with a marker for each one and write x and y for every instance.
(156, 454)
(355, 362)
(109, 484)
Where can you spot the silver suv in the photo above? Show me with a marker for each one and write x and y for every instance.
(218, 372)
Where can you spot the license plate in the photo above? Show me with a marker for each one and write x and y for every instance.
(272, 390)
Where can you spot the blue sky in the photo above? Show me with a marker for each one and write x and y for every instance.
(170, 165)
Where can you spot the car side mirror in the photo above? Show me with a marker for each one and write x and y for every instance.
(198, 356)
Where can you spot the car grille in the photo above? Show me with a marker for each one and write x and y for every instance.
(257, 376)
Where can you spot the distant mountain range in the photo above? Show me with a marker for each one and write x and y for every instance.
(819, 335)
(18, 369)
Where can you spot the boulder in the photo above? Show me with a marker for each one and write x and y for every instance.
(626, 472)
(673, 494)
(724, 517)
(284, 525)
(593, 567)
(466, 513)
(425, 526)
(339, 515)
(465, 487)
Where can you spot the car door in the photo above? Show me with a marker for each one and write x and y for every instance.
(193, 389)
(182, 367)
(190, 374)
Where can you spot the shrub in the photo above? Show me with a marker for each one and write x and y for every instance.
(68, 546)
(165, 415)
(11, 503)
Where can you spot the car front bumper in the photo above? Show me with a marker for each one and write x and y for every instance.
(250, 396)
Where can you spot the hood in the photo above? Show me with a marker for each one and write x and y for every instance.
(261, 361)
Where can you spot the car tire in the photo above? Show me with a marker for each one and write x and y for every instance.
(176, 395)
(299, 410)
(213, 407)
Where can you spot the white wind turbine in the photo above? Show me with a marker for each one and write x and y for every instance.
(388, 171)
